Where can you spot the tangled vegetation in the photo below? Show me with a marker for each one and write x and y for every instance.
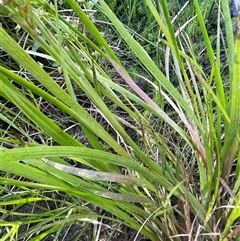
(119, 120)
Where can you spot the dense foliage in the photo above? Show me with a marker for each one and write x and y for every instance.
(119, 114)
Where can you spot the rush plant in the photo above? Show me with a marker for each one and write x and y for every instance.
(166, 165)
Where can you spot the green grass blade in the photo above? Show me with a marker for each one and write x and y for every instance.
(207, 41)
(232, 131)
(230, 37)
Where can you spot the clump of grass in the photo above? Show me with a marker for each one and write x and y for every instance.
(174, 180)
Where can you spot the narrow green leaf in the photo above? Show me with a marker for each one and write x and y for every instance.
(100, 176)
(211, 56)
(233, 129)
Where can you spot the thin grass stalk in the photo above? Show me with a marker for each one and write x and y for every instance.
(232, 131)
(63, 62)
(220, 89)
(229, 36)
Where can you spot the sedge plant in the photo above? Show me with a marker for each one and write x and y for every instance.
(179, 179)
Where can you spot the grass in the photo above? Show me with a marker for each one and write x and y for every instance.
(97, 136)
